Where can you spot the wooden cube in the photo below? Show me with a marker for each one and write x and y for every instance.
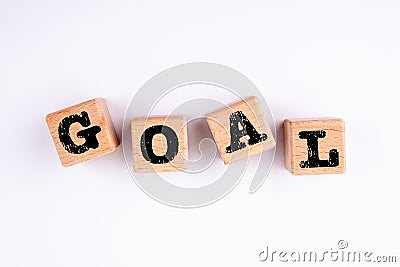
(159, 144)
(314, 146)
(240, 130)
(82, 132)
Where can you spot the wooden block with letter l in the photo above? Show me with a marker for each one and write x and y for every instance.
(314, 146)
(82, 132)
(240, 130)
(159, 144)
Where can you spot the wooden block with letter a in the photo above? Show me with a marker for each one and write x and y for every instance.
(314, 146)
(82, 132)
(240, 130)
(159, 144)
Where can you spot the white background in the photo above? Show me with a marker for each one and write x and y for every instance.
(309, 58)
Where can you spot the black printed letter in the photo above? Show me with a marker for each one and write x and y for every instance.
(313, 158)
(247, 129)
(88, 134)
(146, 144)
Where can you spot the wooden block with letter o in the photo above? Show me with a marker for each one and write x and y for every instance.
(314, 146)
(82, 132)
(240, 130)
(159, 144)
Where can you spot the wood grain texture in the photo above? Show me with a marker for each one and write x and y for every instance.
(99, 116)
(159, 144)
(297, 150)
(219, 123)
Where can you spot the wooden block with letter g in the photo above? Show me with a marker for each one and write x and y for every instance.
(82, 132)
(159, 144)
(314, 146)
(240, 130)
